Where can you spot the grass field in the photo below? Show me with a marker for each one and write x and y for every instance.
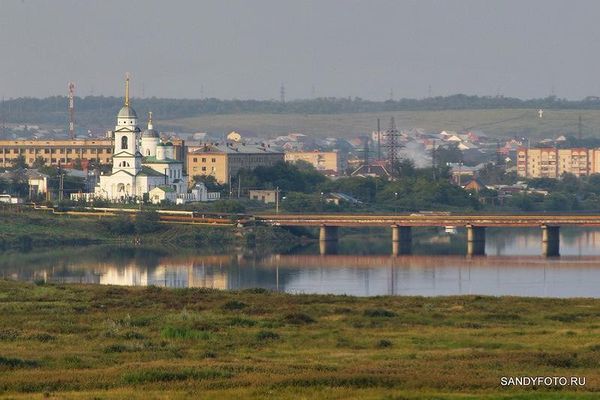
(496, 122)
(102, 342)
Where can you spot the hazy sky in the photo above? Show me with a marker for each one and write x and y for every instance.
(247, 48)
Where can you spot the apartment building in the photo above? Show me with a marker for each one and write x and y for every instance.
(225, 160)
(56, 152)
(553, 163)
(323, 161)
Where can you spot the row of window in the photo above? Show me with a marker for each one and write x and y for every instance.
(195, 159)
(53, 151)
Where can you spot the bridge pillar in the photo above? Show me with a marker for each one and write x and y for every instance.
(475, 240)
(401, 239)
(550, 241)
(328, 237)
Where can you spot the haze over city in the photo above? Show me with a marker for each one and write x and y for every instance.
(240, 49)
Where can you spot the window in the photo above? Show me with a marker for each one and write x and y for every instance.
(214, 160)
(124, 142)
(203, 168)
(204, 160)
(195, 159)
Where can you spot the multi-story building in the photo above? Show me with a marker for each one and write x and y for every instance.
(225, 160)
(56, 152)
(324, 161)
(551, 162)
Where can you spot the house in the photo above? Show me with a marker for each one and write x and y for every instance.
(10, 199)
(475, 185)
(372, 170)
(264, 196)
(198, 193)
(162, 193)
(337, 198)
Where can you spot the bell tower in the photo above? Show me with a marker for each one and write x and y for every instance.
(126, 154)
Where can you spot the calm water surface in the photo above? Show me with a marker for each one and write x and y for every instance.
(362, 266)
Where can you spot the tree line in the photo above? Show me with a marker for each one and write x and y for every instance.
(96, 110)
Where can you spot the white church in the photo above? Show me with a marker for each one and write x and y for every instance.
(142, 164)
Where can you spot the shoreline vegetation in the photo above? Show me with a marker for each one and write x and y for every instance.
(92, 341)
(26, 230)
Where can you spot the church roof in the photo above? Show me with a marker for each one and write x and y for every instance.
(149, 172)
(127, 112)
(154, 160)
(150, 133)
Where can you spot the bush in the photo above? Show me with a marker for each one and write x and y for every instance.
(384, 343)
(264, 336)
(228, 206)
(298, 319)
(147, 222)
(120, 225)
(234, 305)
(379, 313)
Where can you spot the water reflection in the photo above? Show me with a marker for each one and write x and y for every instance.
(362, 267)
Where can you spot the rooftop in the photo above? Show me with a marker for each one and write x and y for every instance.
(240, 148)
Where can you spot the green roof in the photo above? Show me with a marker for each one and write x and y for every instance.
(149, 171)
(153, 160)
(165, 188)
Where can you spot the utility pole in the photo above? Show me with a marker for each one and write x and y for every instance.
(378, 140)
(277, 200)
(433, 161)
(3, 118)
(71, 110)
(61, 186)
(366, 151)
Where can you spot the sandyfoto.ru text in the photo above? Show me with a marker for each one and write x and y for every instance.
(542, 381)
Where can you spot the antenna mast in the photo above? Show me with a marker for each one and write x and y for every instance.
(72, 110)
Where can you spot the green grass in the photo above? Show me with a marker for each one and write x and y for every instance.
(82, 342)
(494, 122)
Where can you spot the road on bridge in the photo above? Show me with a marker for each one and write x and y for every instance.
(355, 220)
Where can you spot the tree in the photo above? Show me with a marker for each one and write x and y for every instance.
(19, 162)
(77, 164)
(209, 181)
(39, 162)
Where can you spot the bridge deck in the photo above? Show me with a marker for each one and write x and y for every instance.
(430, 220)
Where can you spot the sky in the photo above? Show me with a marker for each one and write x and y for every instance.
(246, 49)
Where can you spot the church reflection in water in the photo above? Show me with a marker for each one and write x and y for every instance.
(360, 275)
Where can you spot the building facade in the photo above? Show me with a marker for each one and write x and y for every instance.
(225, 160)
(323, 161)
(133, 174)
(551, 162)
(55, 152)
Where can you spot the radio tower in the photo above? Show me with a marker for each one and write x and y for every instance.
(282, 94)
(72, 110)
(392, 145)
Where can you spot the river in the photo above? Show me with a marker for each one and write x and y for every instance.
(362, 266)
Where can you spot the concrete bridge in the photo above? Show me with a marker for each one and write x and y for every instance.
(401, 226)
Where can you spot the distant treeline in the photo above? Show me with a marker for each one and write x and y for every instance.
(96, 110)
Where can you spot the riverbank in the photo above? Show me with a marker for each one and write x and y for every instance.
(74, 341)
(28, 229)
